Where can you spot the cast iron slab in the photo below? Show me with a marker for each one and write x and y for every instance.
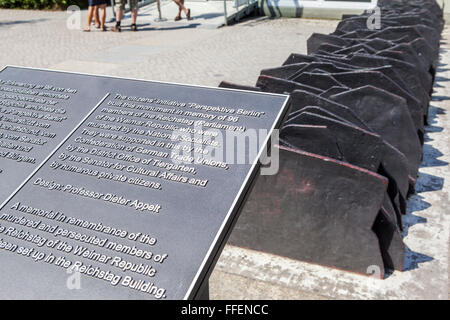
(386, 114)
(315, 209)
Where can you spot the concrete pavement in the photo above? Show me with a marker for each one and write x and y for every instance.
(176, 53)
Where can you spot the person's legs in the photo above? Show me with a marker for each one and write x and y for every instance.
(180, 4)
(96, 17)
(120, 6)
(178, 17)
(186, 11)
(181, 7)
(103, 17)
(134, 14)
(89, 21)
(119, 15)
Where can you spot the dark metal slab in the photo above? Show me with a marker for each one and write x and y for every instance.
(229, 85)
(301, 99)
(388, 115)
(105, 195)
(377, 79)
(345, 142)
(317, 210)
(349, 139)
(333, 90)
(284, 72)
(316, 39)
(277, 85)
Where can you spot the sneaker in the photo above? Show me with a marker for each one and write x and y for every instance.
(116, 29)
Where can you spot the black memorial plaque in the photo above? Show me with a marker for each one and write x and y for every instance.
(99, 197)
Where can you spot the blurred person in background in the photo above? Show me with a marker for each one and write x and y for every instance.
(95, 5)
(120, 7)
(96, 18)
(181, 7)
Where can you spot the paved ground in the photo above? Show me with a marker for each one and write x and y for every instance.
(176, 53)
(197, 53)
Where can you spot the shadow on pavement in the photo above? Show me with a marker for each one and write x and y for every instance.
(11, 23)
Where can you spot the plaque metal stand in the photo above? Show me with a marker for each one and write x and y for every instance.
(203, 293)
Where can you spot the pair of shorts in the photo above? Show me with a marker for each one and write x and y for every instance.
(120, 4)
(93, 3)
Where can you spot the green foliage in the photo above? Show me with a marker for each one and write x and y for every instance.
(41, 4)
